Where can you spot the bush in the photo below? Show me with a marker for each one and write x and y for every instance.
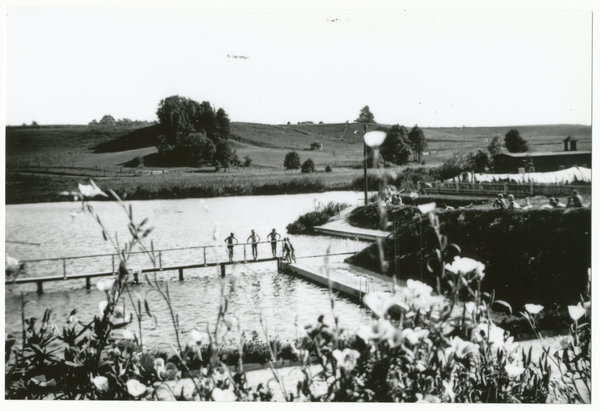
(538, 256)
(292, 161)
(308, 166)
(247, 161)
(328, 169)
(305, 223)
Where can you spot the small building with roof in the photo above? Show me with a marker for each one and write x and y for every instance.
(542, 161)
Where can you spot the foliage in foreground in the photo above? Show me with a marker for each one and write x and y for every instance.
(423, 346)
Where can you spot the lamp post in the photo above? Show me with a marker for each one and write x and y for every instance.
(373, 139)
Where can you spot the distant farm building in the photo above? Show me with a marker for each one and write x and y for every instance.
(316, 146)
(542, 161)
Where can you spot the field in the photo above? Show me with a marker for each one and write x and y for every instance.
(46, 158)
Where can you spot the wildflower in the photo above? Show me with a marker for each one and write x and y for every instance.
(510, 346)
(376, 332)
(91, 191)
(223, 395)
(533, 309)
(102, 305)
(513, 370)
(196, 338)
(490, 332)
(461, 348)
(136, 388)
(426, 208)
(101, 383)
(106, 284)
(470, 307)
(380, 302)
(375, 138)
(576, 311)
(419, 295)
(346, 359)
(465, 266)
(417, 335)
(414, 196)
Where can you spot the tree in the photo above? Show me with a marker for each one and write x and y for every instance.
(514, 142)
(481, 161)
(206, 150)
(176, 115)
(365, 116)
(496, 146)
(308, 166)
(223, 124)
(224, 154)
(292, 161)
(417, 141)
(396, 148)
(190, 149)
(247, 161)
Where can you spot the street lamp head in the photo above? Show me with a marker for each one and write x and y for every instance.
(375, 139)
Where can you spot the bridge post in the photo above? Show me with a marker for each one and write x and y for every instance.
(88, 283)
(64, 268)
(244, 252)
(136, 278)
(40, 287)
(181, 274)
(204, 249)
(222, 270)
(279, 265)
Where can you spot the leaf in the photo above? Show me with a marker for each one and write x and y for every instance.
(147, 306)
(130, 212)
(72, 364)
(104, 235)
(144, 222)
(456, 247)
(115, 196)
(504, 303)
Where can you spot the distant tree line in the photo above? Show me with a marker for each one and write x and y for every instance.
(194, 133)
(109, 120)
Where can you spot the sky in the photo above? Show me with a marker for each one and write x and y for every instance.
(433, 67)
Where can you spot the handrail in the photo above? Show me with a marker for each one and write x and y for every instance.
(143, 252)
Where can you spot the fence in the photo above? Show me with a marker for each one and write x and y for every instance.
(479, 188)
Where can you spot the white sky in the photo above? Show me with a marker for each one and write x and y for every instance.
(426, 67)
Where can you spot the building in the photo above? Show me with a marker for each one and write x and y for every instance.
(316, 146)
(543, 161)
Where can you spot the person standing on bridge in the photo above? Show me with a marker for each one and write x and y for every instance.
(255, 239)
(229, 241)
(273, 237)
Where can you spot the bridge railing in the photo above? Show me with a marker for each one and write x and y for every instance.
(80, 264)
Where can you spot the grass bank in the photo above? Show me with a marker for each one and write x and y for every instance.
(36, 188)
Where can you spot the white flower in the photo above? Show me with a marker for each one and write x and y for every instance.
(106, 284)
(91, 191)
(220, 395)
(513, 370)
(102, 305)
(101, 383)
(470, 307)
(533, 309)
(380, 302)
(461, 348)
(414, 196)
(510, 346)
(375, 138)
(136, 388)
(465, 265)
(490, 332)
(576, 311)
(426, 208)
(196, 338)
(376, 332)
(346, 359)
(416, 336)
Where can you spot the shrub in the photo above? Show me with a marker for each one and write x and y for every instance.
(306, 223)
(328, 169)
(308, 166)
(292, 161)
(247, 161)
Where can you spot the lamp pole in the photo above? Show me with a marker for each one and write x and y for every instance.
(365, 164)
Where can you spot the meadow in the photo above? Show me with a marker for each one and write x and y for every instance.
(44, 160)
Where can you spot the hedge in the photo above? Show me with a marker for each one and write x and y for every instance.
(531, 256)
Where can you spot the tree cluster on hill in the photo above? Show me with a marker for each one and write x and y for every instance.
(514, 142)
(194, 133)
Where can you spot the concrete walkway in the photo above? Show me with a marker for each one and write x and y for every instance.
(340, 227)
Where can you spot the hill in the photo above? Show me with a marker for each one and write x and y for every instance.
(265, 144)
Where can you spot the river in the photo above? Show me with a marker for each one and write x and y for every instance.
(62, 230)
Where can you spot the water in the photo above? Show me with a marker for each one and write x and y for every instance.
(281, 299)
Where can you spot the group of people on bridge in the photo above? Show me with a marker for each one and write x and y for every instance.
(254, 239)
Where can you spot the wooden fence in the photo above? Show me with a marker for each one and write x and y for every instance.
(519, 190)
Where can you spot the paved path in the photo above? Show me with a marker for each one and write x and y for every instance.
(341, 228)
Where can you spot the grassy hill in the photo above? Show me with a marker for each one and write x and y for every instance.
(265, 144)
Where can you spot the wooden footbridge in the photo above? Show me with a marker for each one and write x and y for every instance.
(40, 280)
